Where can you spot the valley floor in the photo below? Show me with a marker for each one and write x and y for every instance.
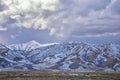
(38, 75)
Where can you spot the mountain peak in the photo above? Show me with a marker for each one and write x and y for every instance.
(25, 46)
(33, 42)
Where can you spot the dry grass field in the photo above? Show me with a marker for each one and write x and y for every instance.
(38, 75)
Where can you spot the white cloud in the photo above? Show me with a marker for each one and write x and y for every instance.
(27, 13)
(60, 17)
(48, 4)
(3, 28)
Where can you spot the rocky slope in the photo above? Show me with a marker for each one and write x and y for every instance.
(70, 56)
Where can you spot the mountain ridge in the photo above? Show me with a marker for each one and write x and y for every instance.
(69, 56)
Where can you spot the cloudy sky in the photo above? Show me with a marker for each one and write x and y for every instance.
(92, 21)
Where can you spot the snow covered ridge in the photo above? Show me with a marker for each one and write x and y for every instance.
(70, 56)
(28, 46)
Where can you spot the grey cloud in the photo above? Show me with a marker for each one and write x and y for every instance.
(2, 6)
(95, 31)
(64, 18)
(70, 17)
(22, 35)
(115, 7)
(83, 7)
(97, 40)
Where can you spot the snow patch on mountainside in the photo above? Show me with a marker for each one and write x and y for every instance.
(72, 56)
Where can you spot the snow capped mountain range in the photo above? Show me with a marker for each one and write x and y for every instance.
(69, 56)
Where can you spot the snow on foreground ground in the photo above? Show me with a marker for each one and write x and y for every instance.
(68, 56)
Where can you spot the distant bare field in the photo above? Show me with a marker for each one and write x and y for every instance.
(38, 75)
